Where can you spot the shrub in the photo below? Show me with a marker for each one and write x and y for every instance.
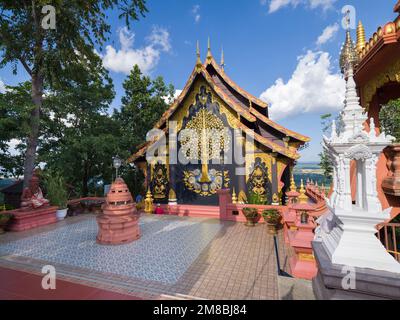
(56, 190)
(250, 213)
(5, 216)
(389, 117)
(272, 216)
(257, 199)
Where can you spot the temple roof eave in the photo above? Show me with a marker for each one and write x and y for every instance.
(387, 35)
(280, 128)
(235, 86)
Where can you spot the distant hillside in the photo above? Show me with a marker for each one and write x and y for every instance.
(312, 171)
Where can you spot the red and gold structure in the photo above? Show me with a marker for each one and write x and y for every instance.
(119, 222)
(303, 264)
(377, 75)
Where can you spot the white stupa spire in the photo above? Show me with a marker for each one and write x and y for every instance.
(347, 231)
(352, 115)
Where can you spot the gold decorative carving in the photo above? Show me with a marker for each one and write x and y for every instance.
(275, 199)
(172, 195)
(207, 127)
(251, 158)
(392, 73)
(306, 257)
(218, 179)
(183, 111)
(258, 180)
(148, 202)
(159, 180)
(234, 198)
(242, 197)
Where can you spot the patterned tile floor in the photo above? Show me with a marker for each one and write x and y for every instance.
(175, 258)
(163, 253)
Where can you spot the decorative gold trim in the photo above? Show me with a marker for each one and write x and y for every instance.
(306, 257)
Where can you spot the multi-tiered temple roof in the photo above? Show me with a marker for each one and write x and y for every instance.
(251, 111)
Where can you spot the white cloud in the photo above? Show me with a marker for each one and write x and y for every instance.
(328, 33)
(13, 147)
(275, 5)
(146, 57)
(196, 13)
(176, 95)
(2, 87)
(313, 88)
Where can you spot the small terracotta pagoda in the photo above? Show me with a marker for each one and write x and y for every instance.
(119, 222)
(35, 210)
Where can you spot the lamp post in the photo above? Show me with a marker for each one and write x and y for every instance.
(117, 164)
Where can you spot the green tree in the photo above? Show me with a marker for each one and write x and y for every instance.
(80, 137)
(15, 108)
(143, 104)
(45, 53)
(325, 161)
(389, 117)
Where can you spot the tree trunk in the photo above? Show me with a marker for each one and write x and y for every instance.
(37, 97)
(30, 156)
(85, 189)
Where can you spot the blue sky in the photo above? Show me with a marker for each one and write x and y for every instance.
(263, 41)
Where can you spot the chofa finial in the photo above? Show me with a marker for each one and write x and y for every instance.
(222, 59)
(209, 55)
(198, 60)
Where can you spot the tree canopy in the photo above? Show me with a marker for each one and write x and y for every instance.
(46, 53)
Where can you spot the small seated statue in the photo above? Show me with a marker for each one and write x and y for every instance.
(32, 197)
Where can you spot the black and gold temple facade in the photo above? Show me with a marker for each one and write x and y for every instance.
(212, 102)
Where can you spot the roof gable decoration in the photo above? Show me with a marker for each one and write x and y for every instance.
(248, 113)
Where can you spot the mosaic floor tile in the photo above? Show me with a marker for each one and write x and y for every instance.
(165, 251)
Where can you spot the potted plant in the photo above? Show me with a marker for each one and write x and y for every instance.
(4, 218)
(57, 193)
(389, 118)
(272, 218)
(251, 215)
(257, 199)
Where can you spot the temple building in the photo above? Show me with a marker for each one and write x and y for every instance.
(376, 64)
(210, 105)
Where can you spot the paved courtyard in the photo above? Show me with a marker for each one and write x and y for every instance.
(176, 258)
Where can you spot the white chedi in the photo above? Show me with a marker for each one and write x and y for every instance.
(347, 231)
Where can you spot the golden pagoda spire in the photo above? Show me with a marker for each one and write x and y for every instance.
(303, 197)
(348, 55)
(209, 55)
(199, 65)
(360, 37)
(293, 186)
(234, 197)
(222, 59)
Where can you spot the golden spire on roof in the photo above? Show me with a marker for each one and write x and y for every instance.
(293, 186)
(209, 55)
(198, 61)
(222, 59)
(348, 56)
(360, 37)
(303, 197)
